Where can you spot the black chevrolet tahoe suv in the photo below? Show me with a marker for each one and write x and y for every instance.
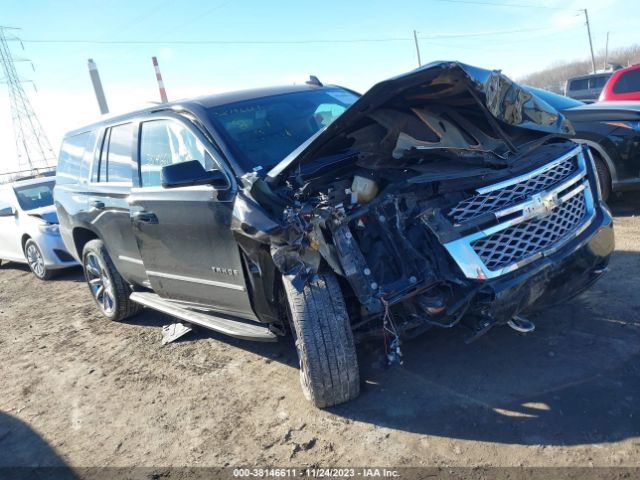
(445, 196)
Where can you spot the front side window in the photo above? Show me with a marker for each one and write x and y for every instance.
(164, 142)
(35, 196)
(263, 131)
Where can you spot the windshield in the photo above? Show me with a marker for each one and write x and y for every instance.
(264, 130)
(559, 102)
(35, 196)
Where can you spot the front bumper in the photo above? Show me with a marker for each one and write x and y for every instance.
(555, 278)
(54, 252)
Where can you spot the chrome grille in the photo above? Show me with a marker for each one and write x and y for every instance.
(533, 236)
(533, 215)
(494, 200)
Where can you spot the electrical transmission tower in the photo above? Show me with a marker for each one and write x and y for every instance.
(32, 146)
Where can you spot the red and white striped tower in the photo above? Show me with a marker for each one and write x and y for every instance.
(163, 92)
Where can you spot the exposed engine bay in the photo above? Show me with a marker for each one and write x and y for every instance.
(382, 196)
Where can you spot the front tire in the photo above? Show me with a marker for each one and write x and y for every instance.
(329, 372)
(35, 260)
(604, 176)
(108, 289)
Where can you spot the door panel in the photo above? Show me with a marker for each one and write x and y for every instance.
(10, 247)
(107, 205)
(187, 246)
(108, 210)
(184, 234)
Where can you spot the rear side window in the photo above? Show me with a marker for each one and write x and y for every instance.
(628, 82)
(581, 84)
(164, 142)
(598, 82)
(115, 163)
(75, 158)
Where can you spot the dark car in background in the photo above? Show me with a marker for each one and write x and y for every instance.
(586, 88)
(612, 132)
(443, 196)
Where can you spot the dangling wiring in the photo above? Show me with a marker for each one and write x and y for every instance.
(392, 350)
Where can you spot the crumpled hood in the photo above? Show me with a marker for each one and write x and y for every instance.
(503, 99)
(48, 214)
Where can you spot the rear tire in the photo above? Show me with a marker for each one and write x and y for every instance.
(604, 176)
(35, 260)
(329, 372)
(108, 289)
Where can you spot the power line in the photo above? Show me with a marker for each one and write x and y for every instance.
(487, 33)
(500, 4)
(284, 42)
(213, 42)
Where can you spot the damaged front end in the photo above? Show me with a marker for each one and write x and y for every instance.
(443, 194)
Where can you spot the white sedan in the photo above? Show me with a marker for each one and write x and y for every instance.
(29, 227)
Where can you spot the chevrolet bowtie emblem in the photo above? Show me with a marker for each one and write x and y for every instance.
(542, 204)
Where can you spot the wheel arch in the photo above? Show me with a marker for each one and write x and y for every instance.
(23, 241)
(82, 235)
(599, 149)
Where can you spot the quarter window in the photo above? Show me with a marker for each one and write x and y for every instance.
(74, 159)
(164, 142)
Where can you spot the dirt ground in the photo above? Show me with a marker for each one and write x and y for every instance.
(76, 389)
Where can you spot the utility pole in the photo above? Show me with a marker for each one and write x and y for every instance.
(32, 146)
(593, 58)
(415, 39)
(606, 52)
(163, 92)
(97, 86)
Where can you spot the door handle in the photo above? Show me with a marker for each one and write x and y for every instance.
(97, 204)
(145, 217)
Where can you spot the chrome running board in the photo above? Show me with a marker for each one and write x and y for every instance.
(233, 328)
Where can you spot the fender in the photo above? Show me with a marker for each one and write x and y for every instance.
(604, 155)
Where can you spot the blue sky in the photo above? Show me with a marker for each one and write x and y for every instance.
(355, 44)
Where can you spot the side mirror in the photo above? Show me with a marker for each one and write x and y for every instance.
(191, 173)
(8, 212)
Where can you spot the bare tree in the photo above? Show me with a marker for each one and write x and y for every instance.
(554, 77)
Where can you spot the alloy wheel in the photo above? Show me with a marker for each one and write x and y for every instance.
(99, 283)
(36, 262)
